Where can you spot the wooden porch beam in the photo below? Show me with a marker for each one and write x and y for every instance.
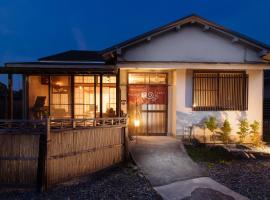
(177, 28)
(72, 96)
(25, 94)
(100, 96)
(118, 94)
(235, 39)
(206, 28)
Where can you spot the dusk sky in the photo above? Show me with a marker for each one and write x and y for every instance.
(30, 29)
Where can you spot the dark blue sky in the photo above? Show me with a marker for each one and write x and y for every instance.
(30, 29)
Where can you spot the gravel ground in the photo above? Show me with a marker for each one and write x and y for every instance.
(123, 181)
(248, 177)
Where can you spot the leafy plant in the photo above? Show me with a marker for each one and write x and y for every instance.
(225, 131)
(211, 124)
(243, 130)
(256, 137)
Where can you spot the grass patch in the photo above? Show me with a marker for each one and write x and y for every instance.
(208, 154)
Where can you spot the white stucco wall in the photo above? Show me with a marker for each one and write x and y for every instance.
(190, 44)
(186, 117)
(180, 114)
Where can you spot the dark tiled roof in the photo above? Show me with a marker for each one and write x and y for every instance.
(74, 55)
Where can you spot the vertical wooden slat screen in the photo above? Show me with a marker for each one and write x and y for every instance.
(220, 91)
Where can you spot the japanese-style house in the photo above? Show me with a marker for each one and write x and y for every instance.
(165, 80)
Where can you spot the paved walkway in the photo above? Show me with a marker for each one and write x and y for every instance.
(172, 173)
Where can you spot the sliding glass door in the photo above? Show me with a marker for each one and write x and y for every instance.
(147, 103)
(60, 97)
(84, 97)
(109, 96)
(88, 96)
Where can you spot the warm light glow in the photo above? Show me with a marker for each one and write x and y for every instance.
(80, 87)
(136, 122)
(194, 105)
(58, 83)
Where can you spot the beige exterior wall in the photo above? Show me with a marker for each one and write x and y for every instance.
(191, 44)
(180, 114)
(185, 117)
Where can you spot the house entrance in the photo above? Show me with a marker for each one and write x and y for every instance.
(147, 103)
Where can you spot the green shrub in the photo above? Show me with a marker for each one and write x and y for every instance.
(225, 131)
(243, 130)
(211, 124)
(255, 134)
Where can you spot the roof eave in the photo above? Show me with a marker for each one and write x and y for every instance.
(266, 57)
(58, 68)
(184, 21)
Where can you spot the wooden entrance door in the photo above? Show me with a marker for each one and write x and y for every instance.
(147, 109)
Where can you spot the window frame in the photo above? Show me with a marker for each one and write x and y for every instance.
(242, 104)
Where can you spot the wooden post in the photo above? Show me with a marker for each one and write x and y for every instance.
(49, 95)
(42, 173)
(118, 94)
(95, 95)
(10, 96)
(73, 123)
(25, 97)
(100, 96)
(72, 100)
(126, 143)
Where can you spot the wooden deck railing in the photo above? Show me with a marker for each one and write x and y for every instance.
(86, 123)
(38, 126)
(26, 126)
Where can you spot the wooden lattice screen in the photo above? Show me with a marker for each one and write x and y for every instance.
(220, 91)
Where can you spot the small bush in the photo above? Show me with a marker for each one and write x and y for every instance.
(225, 132)
(255, 135)
(243, 130)
(211, 124)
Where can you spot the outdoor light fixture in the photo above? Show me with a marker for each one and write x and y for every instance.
(136, 122)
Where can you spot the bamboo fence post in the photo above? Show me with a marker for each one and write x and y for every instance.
(42, 174)
(73, 123)
(126, 143)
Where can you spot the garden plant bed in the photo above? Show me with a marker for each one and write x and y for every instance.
(124, 181)
(249, 177)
